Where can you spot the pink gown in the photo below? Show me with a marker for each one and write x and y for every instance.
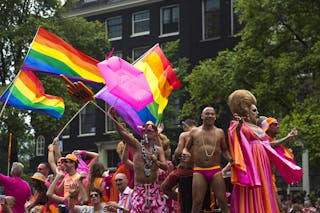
(251, 173)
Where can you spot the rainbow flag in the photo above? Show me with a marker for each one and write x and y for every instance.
(27, 93)
(161, 80)
(52, 55)
(159, 74)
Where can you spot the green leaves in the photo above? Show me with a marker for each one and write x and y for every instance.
(277, 59)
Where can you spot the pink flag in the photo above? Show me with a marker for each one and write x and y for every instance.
(126, 82)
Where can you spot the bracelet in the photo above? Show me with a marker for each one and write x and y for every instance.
(50, 150)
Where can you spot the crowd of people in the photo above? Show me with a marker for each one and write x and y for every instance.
(147, 179)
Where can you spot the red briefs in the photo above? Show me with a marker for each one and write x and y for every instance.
(208, 173)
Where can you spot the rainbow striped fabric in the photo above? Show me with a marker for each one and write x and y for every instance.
(160, 75)
(50, 54)
(27, 93)
(161, 79)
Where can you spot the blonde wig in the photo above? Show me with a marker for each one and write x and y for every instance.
(240, 102)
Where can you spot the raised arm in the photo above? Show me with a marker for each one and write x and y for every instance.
(56, 149)
(51, 159)
(125, 157)
(53, 188)
(291, 134)
(125, 135)
(93, 155)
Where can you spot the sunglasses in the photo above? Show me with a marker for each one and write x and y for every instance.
(67, 161)
(254, 110)
(118, 180)
(148, 128)
(94, 195)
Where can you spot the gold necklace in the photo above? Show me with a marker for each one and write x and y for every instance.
(205, 149)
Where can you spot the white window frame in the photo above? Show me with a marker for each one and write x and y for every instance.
(89, 1)
(107, 27)
(204, 24)
(80, 126)
(161, 21)
(231, 18)
(133, 22)
(232, 25)
(134, 49)
(40, 145)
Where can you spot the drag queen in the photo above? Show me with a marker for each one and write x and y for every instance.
(252, 153)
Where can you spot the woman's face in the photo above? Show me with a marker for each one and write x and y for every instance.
(253, 114)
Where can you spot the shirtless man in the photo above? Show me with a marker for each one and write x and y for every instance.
(148, 156)
(207, 141)
(185, 165)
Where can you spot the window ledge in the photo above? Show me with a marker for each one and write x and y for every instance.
(115, 38)
(140, 34)
(211, 39)
(86, 134)
(168, 34)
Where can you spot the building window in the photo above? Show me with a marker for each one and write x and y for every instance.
(113, 158)
(66, 132)
(170, 20)
(211, 19)
(117, 53)
(108, 121)
(87, 120)
(235, 20)
(141, 23)
(139, 51)
(40, 144)
(114, 28)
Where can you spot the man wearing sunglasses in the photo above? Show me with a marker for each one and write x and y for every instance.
(70, 163)
(148, 157)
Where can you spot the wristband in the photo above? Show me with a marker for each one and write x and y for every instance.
(50, 150)
(83, 152)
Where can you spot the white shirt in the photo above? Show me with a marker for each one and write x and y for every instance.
(125, 199)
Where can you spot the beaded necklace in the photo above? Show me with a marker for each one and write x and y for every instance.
(147, 161)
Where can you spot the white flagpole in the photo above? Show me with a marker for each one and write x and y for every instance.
(15, 78)
(65, 126)
(11, 89)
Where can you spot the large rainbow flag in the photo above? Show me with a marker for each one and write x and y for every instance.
(27, 93)
(50, 54)
(161, 79)
(160, 75)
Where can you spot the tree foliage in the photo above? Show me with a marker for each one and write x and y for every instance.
(19, 22)
(277, 59)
